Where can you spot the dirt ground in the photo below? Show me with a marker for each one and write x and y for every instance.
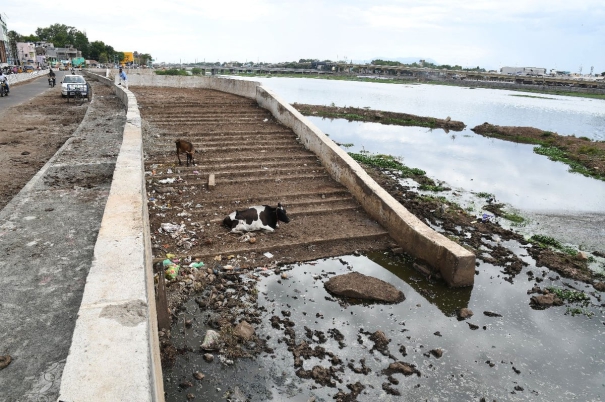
(30, 134)
(378, 116)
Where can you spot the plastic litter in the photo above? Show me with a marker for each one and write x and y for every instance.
(172, 271)
(170, 227)
(268, 255)
(170, 255)
(196, 265)
(210, 340)
(169, 180)
(167, 262)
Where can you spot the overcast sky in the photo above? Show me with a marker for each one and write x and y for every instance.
(561, 34)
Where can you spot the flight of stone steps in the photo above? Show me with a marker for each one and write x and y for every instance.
(255, 161)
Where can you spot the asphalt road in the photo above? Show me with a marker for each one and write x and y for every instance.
(23, 92)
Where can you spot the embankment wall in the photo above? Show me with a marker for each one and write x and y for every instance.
(114, 355)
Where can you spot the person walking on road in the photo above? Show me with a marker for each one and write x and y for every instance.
(5, 79)
(123, 78)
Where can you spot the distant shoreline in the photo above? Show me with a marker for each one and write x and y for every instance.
(561, 91)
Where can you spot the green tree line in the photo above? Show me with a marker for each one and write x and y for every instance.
(61, 35)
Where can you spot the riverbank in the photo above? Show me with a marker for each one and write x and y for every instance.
(409, 80)
(378, 116)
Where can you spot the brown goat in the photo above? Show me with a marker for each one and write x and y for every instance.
(185, 147)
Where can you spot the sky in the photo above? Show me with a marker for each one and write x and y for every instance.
(564, 35)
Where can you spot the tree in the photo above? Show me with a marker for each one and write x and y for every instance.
(603, 73)
(29, 38)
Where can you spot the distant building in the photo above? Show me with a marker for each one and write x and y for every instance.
(26, 53)
(5, 52)
(523, 71)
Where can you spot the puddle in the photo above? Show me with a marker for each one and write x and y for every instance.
(553, 354)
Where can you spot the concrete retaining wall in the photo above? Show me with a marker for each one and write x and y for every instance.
(114, 354)
(243, 88)
(21, 77)
(454, 262)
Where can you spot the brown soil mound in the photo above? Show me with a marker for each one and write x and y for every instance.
(378, 116)
(583, 151)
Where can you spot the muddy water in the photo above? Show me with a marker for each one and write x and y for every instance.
(556, 357)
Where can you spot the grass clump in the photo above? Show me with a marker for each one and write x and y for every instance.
(570, 296)
(545, 241)
(513, 217)
(387, 162)
(172, 71)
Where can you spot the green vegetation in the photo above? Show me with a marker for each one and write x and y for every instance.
(393, 165)
(513, 218)
(387, 162)
(570, 296)
(555, 153)
(430, 123)
(485, 195)
(574, 311)
(545, 241)
(61, 35)
(196, 71)
(172, 71)
(531, 96)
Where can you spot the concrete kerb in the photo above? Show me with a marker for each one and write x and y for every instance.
(21, 77)
(114, 354)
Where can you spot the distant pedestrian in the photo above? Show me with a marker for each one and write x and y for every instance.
(123, 78)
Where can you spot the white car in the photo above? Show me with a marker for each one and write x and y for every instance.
(73, 83)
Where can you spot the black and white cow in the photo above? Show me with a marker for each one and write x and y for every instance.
(260, 217)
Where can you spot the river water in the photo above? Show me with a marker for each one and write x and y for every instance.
(556, 356)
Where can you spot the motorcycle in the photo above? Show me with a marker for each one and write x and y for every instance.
(52, 81)
(3, 89)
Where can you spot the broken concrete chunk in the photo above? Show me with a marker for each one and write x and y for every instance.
(364, 287)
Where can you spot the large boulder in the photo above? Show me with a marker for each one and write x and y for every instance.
(360, 286)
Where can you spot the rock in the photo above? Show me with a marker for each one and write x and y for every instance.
(190, 396)
(542, 302)
(198, 376)
(364, 287)
(403, 368)
(582, 256)
(244, 330)
(472, 326)
(437, 352)
(164, 190)
(209, 357)
(4, 361)
(380, 340)
(252, 240)
(186, 384)
(210, 340)
(490, 314)
(600, 286)
(464, 313)
(284, 275)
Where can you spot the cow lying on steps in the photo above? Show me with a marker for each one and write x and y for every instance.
(260, 217)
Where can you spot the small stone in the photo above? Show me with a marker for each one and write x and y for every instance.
(600, 286)
(437, 352)
(284, 275)
(472, 326)
(188, 323)
(186, 384)
(190, 396)
(252, 240)
(4, 361)
(198, 376)
(244, 330)
(209, 357)
(464, 313)
(582, 256)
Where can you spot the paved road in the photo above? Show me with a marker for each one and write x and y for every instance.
(47, 237)
(22, 92)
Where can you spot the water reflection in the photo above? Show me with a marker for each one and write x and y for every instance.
(446, 299)
(563, 114)
(512, 171)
